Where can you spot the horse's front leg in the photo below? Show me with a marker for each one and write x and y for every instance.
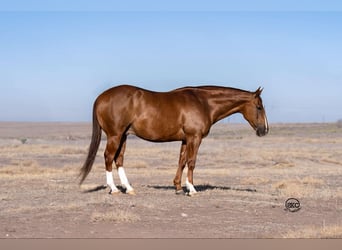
(181, 165)
(193, 144)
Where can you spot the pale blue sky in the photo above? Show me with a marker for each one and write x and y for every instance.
(54, 64)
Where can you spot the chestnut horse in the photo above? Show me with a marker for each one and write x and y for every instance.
(184, 114)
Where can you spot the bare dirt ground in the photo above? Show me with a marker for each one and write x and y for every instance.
(243, 183)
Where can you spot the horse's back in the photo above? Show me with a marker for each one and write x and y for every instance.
(156, 116)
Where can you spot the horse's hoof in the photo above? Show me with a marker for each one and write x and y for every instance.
(131, 192)
(180, 191)
(191, 194)
(115, 192)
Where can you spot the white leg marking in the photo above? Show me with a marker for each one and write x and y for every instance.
(190, 187)
(110, 182)
(124, 180)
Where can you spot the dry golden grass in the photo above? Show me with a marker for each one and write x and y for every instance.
(114, 216)
(32, 170)
(72, 151)
(138, 164)
(243, 180)
(255, 181)
(324, 232)
(306, 187)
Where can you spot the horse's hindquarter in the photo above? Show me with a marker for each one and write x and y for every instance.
(168, 116)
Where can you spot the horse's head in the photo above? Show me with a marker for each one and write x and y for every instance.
(254, 113)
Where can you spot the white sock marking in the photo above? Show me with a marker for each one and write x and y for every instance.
(124, 180)
(110, 182)
(190, 187)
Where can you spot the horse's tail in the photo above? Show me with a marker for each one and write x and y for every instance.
(94, 146)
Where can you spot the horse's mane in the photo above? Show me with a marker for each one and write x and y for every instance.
(211, 88)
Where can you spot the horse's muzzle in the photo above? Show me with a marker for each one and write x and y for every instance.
(262, 131)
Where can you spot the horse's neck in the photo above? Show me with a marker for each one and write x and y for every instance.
(225, 102)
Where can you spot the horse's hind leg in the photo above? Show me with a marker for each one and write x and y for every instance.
(181, 165)
(113, 143)
(119, 164)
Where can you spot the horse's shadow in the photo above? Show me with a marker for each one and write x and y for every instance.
(199, 188)
(101, 187)
(204, 187)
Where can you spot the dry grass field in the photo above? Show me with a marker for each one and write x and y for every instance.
(243, 183)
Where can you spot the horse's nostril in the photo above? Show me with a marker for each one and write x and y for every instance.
(261, 131)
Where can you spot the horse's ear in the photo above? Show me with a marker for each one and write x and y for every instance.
(258, 92)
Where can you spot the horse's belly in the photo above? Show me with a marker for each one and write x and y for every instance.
(157, 131)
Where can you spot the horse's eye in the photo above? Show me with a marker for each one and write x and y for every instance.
(259, 107)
